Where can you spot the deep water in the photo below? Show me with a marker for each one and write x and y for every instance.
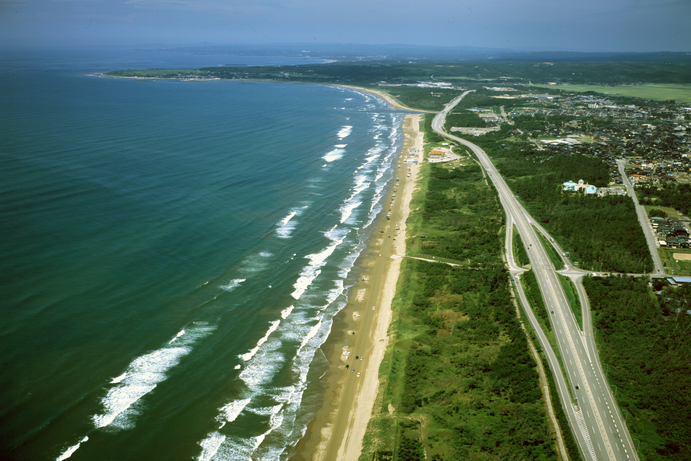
(173, 253)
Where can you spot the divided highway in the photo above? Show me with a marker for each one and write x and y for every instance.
(583, 391)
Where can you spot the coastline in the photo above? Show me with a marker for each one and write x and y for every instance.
(386, 97)
(361, 329)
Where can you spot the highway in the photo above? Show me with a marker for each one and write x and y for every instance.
(585, 396)
(643, 219)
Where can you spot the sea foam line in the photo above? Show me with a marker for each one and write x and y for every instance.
(313, 269)
(68, 452)
(230, 286)
(286, 225)
(141, 377)
(344, 132)
(145, 372)
(247, 356)
(230, 411)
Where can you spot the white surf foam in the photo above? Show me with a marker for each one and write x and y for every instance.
(286, 312)
(347, 210)
(344, 132)
(180, 333)
(232, 284)
(142, 376)
(312, 333)
(263, 367)
(333, 155)
(312, 270)
(230, 412)
(118, 379)
(285, 226)
(210, 446)
(68, 452)
(247, 356)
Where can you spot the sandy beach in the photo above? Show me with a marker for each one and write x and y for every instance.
(359, 338)
(386, 97)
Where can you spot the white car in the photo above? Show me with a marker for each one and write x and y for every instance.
(358, 375)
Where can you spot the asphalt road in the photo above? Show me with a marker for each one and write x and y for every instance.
(589, 405)
(643, 219)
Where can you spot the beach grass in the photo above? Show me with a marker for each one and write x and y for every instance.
(446, 334)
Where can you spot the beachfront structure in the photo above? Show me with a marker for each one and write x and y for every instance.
(574, 187)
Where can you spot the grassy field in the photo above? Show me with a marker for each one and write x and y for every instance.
(674, 265)
(671, 212)
(657, 92)
(572, 297)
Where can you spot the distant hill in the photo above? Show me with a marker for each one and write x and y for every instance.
(359, 52)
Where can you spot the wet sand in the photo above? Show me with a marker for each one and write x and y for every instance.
(359, 335)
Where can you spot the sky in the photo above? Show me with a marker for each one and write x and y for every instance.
(532, 25)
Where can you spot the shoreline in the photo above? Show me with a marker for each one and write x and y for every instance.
(337, 430)
(386, 97)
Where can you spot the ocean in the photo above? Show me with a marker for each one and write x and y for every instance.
(174, 253)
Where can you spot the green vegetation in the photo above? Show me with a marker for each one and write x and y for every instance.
(556, 260)
(601, 232)
(402, 73)
(520, 255)
(662, 212)
(656, 213)
(457, 380)
(572, 298)
(680, 93)
(674, 264)
(668, 195)
(645, 342)
(431, 99)
(464, 119)
(532, 292)
(569, 440)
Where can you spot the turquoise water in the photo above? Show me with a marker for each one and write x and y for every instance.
(174, 253)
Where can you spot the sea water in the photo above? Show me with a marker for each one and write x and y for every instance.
(174, 253)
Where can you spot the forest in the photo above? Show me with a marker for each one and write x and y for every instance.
(459, 381)
(369, 73)
(677, 196)
(643, 334)
(601, 233)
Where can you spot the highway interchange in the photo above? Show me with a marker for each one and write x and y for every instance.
(593, 415)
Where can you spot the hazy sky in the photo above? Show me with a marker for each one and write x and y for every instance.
(572, 25)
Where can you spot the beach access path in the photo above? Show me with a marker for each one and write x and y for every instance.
(337, 430)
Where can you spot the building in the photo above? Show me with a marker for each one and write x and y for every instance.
(573, 187)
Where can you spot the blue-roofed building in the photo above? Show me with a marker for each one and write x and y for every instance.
(569, 185)
(573, 187)
(682, 279)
